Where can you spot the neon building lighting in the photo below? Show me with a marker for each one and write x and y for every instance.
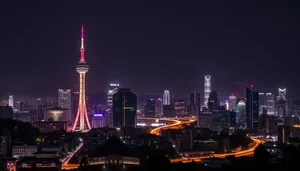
(207, 89)
(82, 68)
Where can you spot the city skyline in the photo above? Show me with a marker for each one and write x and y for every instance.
(107, 44)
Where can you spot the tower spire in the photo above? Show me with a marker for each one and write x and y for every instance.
(82, 45)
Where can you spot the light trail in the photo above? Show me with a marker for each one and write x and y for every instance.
(65, 162)
(177, 123)
(247, 152)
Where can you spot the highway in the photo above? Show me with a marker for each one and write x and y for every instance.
(247, 152)
(177, 122)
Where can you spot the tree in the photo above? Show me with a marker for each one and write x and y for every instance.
(261, 155)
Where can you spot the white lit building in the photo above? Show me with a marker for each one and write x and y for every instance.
(207, 89)
(166, 97)
(270, 104)
(11, 101)
(64, 98)
(241, 112)
(113, 88)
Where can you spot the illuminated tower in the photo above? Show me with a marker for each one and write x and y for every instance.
(207, 89)
(82, 68)
(166, 98)
(281, 93)
(11, 101)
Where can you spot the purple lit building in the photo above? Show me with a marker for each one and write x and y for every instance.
(98, 120)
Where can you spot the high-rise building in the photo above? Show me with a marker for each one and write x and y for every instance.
(241, 112)
(270, 104)
(281, 93)
(227, 105)
(82, 68)
(232, 102)
(167, 97)
(213, 101)
(11, 101)
(150, 108)
(281, 103)
(281, 108)
(262, 103)
(207, 89)
(296, 108)
(252, 108)
(158, 107)
(113, 88)
(64, 98)
(124, 108)
(180, 107)
(195, 104)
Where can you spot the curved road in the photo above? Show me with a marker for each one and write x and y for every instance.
(177, 123)
(247, 152)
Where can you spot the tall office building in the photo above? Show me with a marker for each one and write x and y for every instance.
(281, 103)
(281, 93)
(241, 113)
(180, 107)
(158, 107)
(11, 101)
(124, 108)
(207, 89)
(64, 98)
(150, 108)
(232, 102)
(252, 108)
(167, 97)
(270, 104)
(195, 103)
(113, 88)
(262, 103)
(213, 101)
(82, 68)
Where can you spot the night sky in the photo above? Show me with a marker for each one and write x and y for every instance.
(150, 46)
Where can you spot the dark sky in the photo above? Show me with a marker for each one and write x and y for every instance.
(149, 46)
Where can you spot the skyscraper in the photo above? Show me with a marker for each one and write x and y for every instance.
(64, 98)
(270, 104)
(166, 97)
(158, 107)
(124, 108)
(113, 88)
(195, 104)
(252, 108)
(232, 102)
(82, 68)
(150, 108)
(213, 101)
(281, 103)
(241, 113)
(11, 101)
(207, 89)
(281, 93)
(262, 103)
